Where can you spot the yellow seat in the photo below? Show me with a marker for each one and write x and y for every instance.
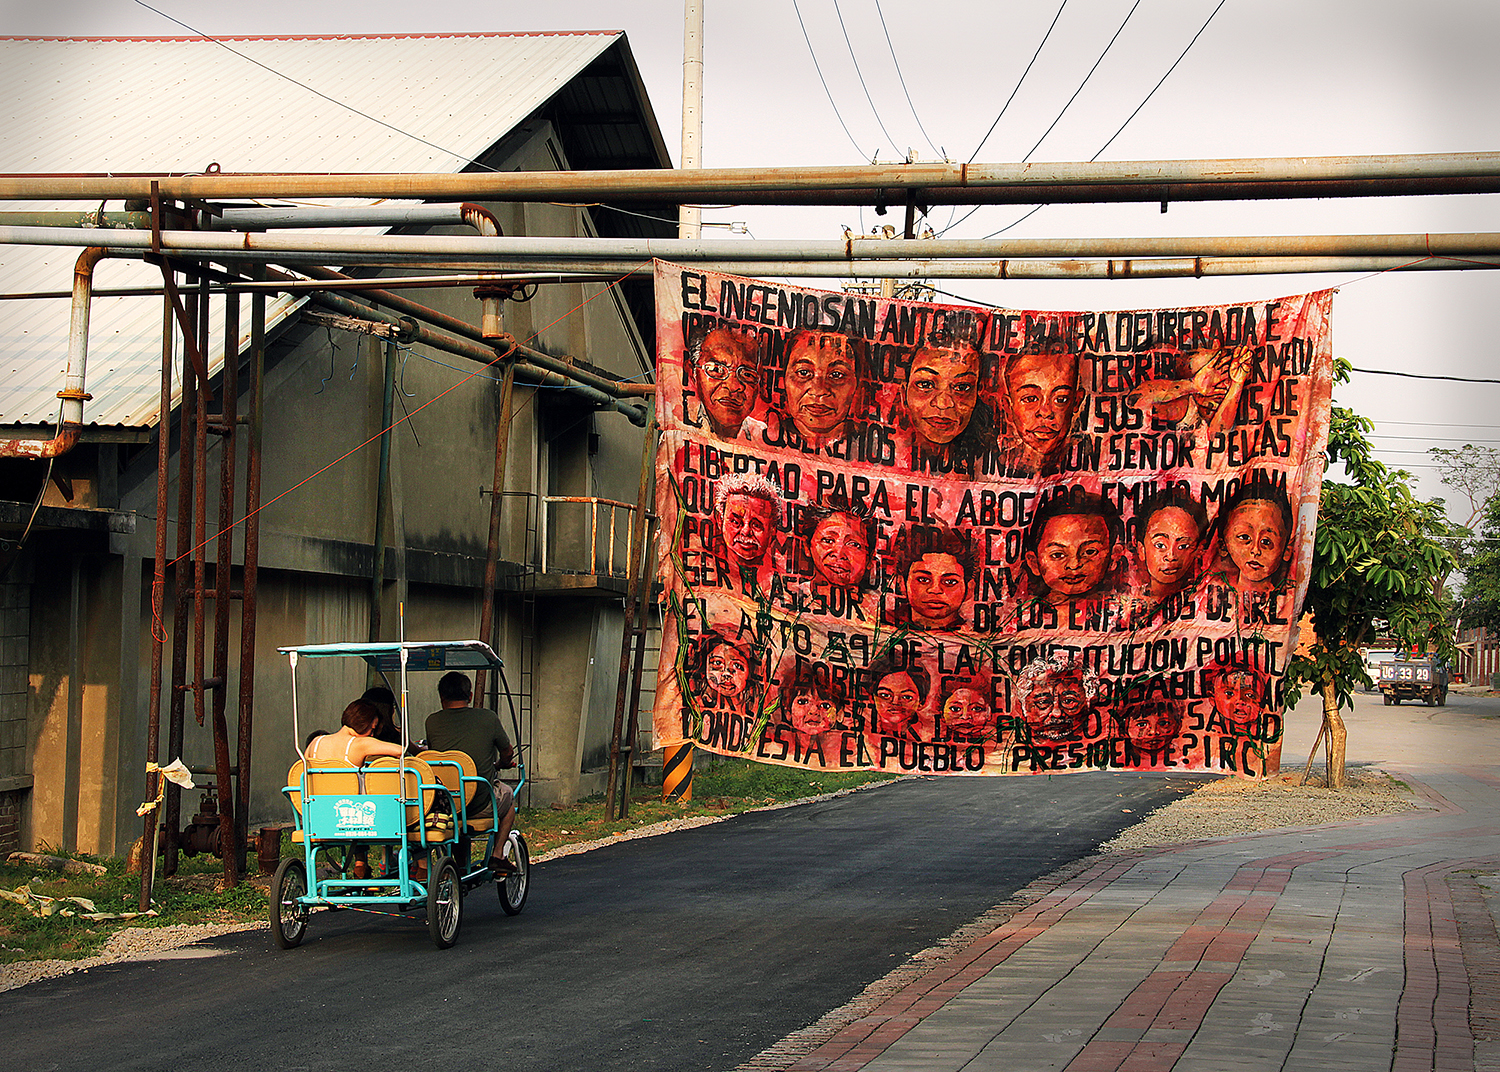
(327, 776)
(459, 782)
(383, 776)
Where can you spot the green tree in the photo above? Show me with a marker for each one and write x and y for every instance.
(1379, 554)
(1481, 587)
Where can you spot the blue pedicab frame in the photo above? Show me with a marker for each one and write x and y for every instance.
(421, 819)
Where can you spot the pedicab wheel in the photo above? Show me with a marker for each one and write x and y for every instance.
(514, 887)
(288, 918)
(445, 904)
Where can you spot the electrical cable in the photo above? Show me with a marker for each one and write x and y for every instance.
(1128, 119)
(902, 79)
(1123, 23)
(826, 90)
(1422, 376)
(1017, 88)
(860, 75)
(303, 85)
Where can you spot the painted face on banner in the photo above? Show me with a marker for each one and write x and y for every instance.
(1072, 555)
(897, 700)
(1042, 393)
(1169, 548)
(727, 670)
(966, 712)
(1256, 538)
(1151, 725)
(812, 714)
(1055, 708)
(820, 385)
(935, 589)
(727, 377)
(748, 524)
(942, 388)
(839, 551)
(1237, 698)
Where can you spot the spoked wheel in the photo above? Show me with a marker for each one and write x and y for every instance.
(445, 903)
(513, 888)
(288, 918)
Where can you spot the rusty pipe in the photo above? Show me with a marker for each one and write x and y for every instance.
(1328, 176)
(73, 395)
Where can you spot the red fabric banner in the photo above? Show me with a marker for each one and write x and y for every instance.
(905, 536)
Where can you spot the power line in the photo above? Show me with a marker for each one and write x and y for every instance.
(1017, 88)
(826, 90)
(1164, 77)
(1431, 439)
(860, 75)
(316, 92)
(1423, 376)
(902, 78)
(1085, 81)
(1128, 118)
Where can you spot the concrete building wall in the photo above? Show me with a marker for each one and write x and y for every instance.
(71, 761)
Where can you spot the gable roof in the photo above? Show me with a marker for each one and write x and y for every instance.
(347, 103)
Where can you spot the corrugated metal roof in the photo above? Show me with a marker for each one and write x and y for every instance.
(430, 102)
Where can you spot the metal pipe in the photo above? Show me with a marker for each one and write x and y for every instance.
(383, 487)
(1138, 180)
(462, 328)
(250, 570)
(73, 396)
(690, 217)
(497, 502)
(259, 219)
(231, 844)
(97, 218)
(526, 250)
(484, 355)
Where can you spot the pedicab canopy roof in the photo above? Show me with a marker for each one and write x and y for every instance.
(420, 655)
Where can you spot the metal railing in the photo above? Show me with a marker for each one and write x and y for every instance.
(614, 530)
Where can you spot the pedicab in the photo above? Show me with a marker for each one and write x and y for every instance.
(420, 808)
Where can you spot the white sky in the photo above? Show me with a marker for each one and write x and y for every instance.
(1268, 78)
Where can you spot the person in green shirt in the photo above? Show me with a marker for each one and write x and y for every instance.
(477, 732)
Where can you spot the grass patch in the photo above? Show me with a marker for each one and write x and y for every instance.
(725, 788)
(191, 896)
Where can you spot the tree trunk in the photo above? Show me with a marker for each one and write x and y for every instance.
(1333, 726)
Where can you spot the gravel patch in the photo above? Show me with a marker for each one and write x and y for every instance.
(1233, 806)
(1222, 808)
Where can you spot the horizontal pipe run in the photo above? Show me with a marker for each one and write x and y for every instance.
(1326, 176)
(523, 251)
(1032, 268)
(258, 219)
(111, 220)
(374, 290)
(538, 377)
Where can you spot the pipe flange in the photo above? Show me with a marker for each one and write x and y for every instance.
(74, 396)
(408, 329)
(503, 291)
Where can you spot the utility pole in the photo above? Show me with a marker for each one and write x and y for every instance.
(690, 218)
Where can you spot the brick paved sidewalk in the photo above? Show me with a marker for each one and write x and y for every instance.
(1357, 946)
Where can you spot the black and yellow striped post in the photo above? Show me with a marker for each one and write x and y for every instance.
(677, 772)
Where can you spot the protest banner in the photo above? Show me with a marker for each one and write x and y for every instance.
(907, 536)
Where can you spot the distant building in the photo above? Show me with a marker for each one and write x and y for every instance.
(77, 536)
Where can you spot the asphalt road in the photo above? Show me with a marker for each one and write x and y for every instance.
(684, 952)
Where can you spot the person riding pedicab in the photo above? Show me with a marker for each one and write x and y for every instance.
(477, 732)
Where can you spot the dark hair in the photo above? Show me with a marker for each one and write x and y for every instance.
(361, 716)
(1166, 499)
(711, 642)
(1073, 501)
(804, 677)
(704, 330)
(810, 518)
(455, 686)
(918, 539)
(884, 667)
(380, 694)
(1258, 489)
(980, 435)
(1123, 715)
